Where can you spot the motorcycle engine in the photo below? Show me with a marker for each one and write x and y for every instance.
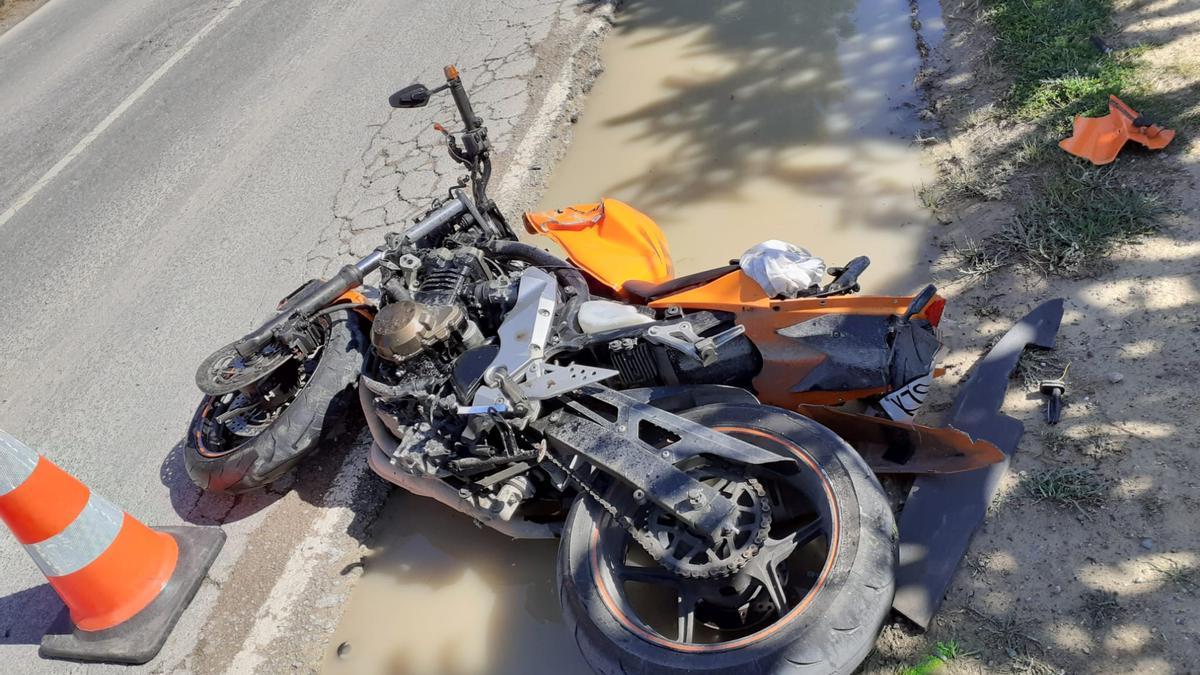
(405, 328)
(428, 313)
(429, 325)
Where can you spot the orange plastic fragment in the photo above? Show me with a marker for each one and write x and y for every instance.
(609, 240)
(1099, 139)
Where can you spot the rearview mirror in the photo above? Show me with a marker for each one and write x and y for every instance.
(412, 96)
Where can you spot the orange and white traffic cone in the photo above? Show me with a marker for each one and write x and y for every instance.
(124, 584)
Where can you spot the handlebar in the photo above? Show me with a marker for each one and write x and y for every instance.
(461, 100)
(348, 278)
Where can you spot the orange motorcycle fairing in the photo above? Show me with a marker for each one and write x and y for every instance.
(786, 361)
(364, 307)
(609, 240)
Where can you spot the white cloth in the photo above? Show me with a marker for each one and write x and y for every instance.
(781, 268)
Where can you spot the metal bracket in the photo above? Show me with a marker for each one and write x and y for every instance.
(683, 338)
(409, 265)
(697, 505)
(523, 334)
(558, 380)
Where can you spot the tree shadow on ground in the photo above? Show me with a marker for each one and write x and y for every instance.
(1106, 582)
(777, 113)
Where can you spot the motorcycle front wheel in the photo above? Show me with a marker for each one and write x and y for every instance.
(251, 450)
(812, 600)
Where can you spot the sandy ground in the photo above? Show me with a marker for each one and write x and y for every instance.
(1109, 587)
(12, 11)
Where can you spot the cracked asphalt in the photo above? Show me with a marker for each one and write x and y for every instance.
(170, 169)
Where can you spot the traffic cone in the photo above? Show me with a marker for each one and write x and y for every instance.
(124, 584)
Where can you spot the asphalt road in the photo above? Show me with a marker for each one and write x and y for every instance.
(168, 170)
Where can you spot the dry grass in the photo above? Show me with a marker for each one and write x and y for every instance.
(1100, 608)
(1080, 488)
(1184, 577)
(1077, 215)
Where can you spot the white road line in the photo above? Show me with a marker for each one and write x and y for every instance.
(525, 154)
(116, 113)
(276, 614)
(542, 125)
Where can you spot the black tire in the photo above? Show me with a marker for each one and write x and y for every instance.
(831, 631)
(318, 411)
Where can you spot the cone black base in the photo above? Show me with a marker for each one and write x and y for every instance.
(140, 638)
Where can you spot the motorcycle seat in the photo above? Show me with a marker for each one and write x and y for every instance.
(643, 292)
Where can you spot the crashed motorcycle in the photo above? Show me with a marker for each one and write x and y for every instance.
(672, 432)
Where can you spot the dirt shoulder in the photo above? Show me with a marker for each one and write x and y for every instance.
(1088, 561)
(13, 11)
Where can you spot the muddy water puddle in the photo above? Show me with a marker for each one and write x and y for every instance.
(734, 122)
(729, 123)
(440, 596)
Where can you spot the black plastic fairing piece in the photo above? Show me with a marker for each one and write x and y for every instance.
(468, 370)
(943, 512)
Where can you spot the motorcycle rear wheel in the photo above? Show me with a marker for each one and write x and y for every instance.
(831, 614)
(318, 411)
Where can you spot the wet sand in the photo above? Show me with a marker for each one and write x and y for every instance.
(729, 123)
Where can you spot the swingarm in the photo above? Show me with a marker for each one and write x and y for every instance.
(643, 447)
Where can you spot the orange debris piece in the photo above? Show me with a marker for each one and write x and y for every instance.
(1099, 139)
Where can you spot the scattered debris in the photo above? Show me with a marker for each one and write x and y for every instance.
(1091, 441)
(1024, 664)
(1053, 390)
(1037, 365)
(1100, 608)
(1006, 633)
(1099, 139)
(1115, 377)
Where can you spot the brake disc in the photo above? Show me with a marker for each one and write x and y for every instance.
(225, 371)
(253, 422)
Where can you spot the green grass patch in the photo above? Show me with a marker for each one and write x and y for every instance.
(1071, 215)
(943, 653)
(1080, 488)
(1075, 216)
(1049, 47)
